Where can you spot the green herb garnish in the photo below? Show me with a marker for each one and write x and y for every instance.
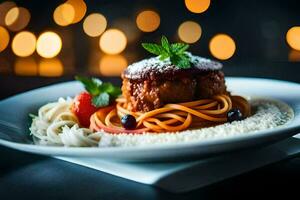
(32, 116)
(103, 93)
(176, 52)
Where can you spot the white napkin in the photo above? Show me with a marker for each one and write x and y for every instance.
(194, 174)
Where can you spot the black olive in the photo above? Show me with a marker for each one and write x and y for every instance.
(128, 122)
(234, 115)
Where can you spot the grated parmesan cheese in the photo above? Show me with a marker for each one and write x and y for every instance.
(135, 70)
(268, 114)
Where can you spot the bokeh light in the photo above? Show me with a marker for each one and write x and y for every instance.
(148, 21)
(197, 6)
(293, 37)
(79, 7)
(5, 67)
(189, 32)
(94, 24)
(50, 67)
(26, 67)
(4, 8)
(17, 18)
(4, 38)
(12, 16)
(48, 44)
(222, 46)
(23, 44)
(112, 65)
(294, 56)
(113, 41)
(64, 14)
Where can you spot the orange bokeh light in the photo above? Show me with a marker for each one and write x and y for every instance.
(4, 8)
(94, 24)
(26, 67)
(197, 6)
(4, 38)
(222, 46)
(23, 44)
(112, 65)
(17, 18)
(189, 32)
(79, 7)
(148, 21)
(64, 14)
(50, 67)
(293, 37)
(294, 56)
(113, 41)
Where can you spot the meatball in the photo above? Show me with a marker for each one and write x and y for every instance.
(210, 84)
(150, 84)
(148, 95)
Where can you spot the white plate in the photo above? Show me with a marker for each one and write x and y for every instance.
(14, 124)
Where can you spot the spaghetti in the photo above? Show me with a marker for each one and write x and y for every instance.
(171, 117)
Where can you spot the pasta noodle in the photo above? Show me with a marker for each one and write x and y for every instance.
(171, 117)
(57, 125)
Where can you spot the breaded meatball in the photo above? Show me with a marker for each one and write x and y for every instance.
(151, 83)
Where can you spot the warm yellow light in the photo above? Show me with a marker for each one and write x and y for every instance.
(12, 16)
(148, 21)
(113, 41)
(222, 46)
(26, 67)
(94, 24)
(48, 45)
(197, 6)
(4, 38)
(294, 56)
(79, 8)
(112, 65)
(64, 14)
(293, 37)
(17, 18)
(51, 67)
(4, 8)
(189, 32)
(23, 44)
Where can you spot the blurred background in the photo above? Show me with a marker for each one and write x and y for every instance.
(43, 42)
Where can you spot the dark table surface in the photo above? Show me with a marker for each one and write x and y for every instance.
(24, 176)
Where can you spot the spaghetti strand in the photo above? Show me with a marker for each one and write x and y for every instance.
(172, 117)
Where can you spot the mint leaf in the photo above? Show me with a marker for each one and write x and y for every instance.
(164, 56)
(181, 61)
(179, 48)
(110, 89)
(32, 115)
(165, 44)
(91, 85)
(153, 48)
(176, 52)
(101, 100)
